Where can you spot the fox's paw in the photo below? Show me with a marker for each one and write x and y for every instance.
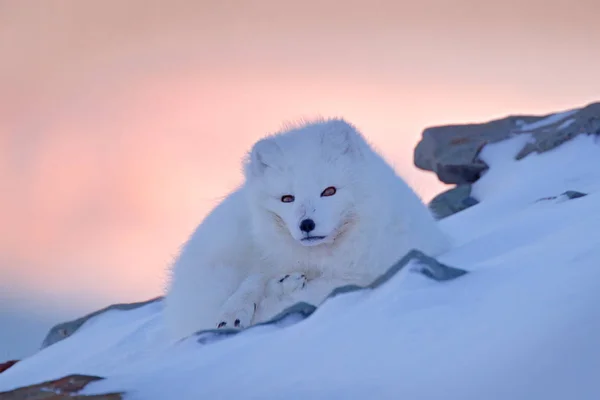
(236, 317)
(292, 282)
(286, 284)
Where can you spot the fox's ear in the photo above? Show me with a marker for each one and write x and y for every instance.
(340, 139)
(264, 154)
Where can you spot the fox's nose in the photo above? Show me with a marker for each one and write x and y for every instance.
(307, 225)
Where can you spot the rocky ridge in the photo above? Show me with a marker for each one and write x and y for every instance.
(452, 151)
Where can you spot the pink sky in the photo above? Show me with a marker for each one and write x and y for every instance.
(122, 124)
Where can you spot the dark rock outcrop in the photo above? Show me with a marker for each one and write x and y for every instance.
(7, 364)
(452, 151)
(452, 201)
(568, 195)
(59, 389)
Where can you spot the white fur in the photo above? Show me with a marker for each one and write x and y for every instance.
(234, 265)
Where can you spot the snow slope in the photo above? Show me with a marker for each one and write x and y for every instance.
(552, 119)
(524, 324)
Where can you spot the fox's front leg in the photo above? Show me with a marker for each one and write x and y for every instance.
(285, 285)
(238, 310)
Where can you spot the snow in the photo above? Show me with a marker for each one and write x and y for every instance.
(524, 324)
(552, 119)
(566, 124)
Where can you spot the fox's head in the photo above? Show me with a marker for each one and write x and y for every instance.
(305, 180)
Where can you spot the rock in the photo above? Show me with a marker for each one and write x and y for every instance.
(424, 264)
(59, 389)
(451, 151)
(64, 330)
(452, 201)
(585, 120)
(568, 195)
(573, 194)
(6, 365)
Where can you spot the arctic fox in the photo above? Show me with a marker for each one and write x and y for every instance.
(319, 208)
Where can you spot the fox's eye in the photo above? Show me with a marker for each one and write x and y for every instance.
(330, 191)
(288, 198)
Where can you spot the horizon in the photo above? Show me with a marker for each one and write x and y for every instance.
(121, 125)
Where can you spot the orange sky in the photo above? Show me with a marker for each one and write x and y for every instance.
(123, 122)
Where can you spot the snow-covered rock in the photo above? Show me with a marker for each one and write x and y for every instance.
(452, 201)
(452, 151)
(64, 330)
